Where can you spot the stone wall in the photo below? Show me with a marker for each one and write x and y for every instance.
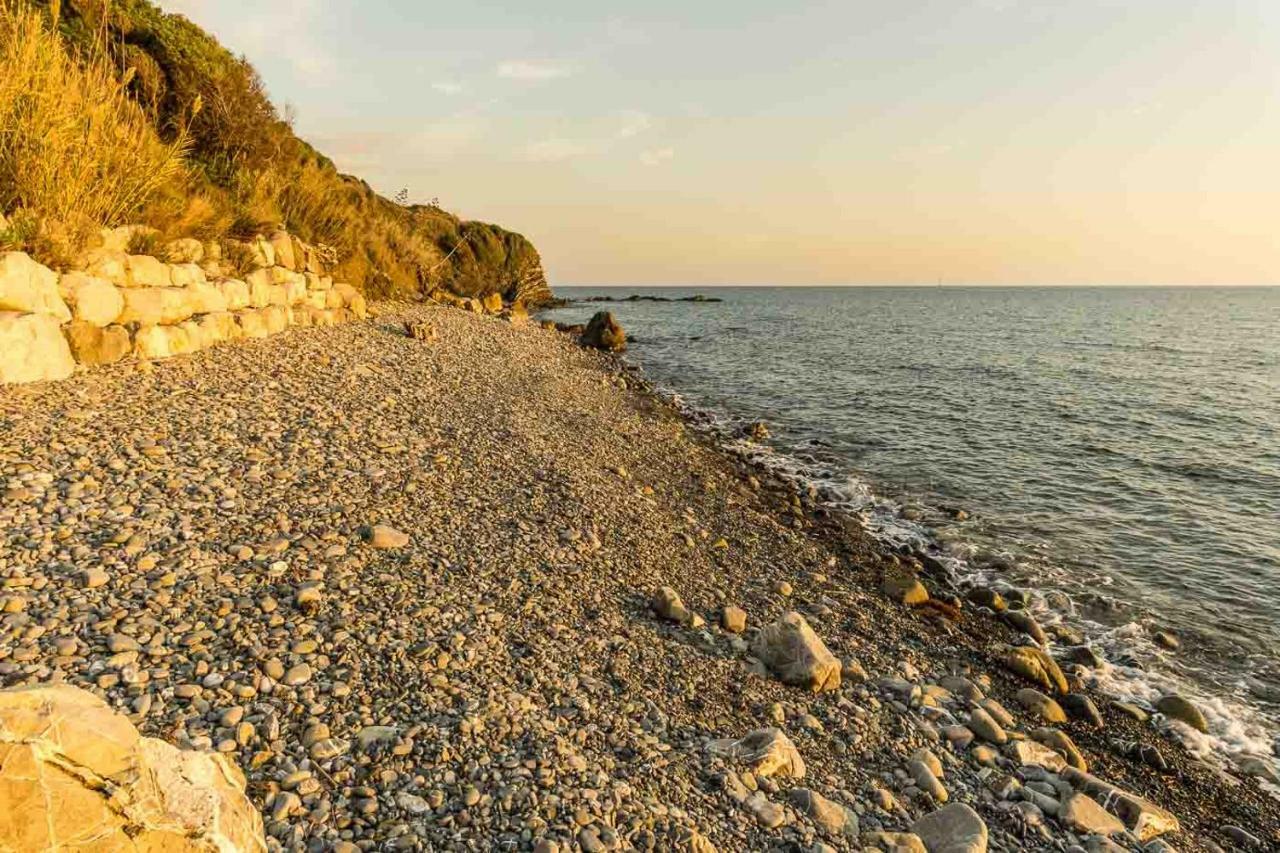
(117, 305)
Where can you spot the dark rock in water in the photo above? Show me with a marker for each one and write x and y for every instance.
(636, 297)
(1017, 598)
(1027, 624)
(756, 431)
(1066, 635)
(1082, 708)
(1085, 655)
(985, 596)
(604, 333)
(1167, 640)
(571, 328)
(1177, 708)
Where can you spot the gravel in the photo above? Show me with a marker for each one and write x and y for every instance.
(409, 584)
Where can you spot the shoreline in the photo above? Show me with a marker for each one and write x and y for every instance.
(510, 647)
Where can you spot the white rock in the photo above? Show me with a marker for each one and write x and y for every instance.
(32, 348)
(206, 298)
(162, 342)
(183, 275)
(156, 305)
(252, 324)
(28, 287)
(236, 293)
(146, 271)
(94, 300)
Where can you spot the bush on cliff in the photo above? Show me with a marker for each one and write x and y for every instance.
(244, 171)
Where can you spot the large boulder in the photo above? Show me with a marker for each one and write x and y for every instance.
(146, 271)
(1141, 817)
(91, 299)
(605, 333)
(27, 287)
(163, 342)
(32, 348)
(76, 775)
(156, 305)
(791, 649)
(92, 344)
(283, 247)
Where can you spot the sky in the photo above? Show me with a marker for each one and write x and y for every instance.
(850, 142)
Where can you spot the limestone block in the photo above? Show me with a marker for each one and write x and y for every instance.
(277, 295)
(28, 287)
(162, 342)
(358, 307)
(184, 251)
(146, 271)
(219, 326)
(315, 298)
(259, 292)
(316, 281)
(282, 244)
(252, 323)
(295, 292)
(301, 316)
(213, 270)
(206, 298)
(76, 775)
(263, 253)
(156, 305)
(185, 274)
(92, 344)
(91, 299)
(299, 254)
(32, 349)
(100, 263)
(235, 292)
(195, 337)
(261, 277)
(492, 303)
(333, 298)
(276, 318)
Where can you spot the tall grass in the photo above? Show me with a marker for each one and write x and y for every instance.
(76, 152)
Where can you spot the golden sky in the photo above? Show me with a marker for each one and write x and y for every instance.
(854, 142)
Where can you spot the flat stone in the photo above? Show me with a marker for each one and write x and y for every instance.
(956, 828)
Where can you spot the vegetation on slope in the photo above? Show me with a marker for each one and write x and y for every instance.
(116, 112)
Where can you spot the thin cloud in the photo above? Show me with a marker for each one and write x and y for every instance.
(518, 69)
(657, 156)
(447, 87)
(555, 150)
(633, 123)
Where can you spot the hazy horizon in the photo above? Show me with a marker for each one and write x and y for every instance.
(994, 141)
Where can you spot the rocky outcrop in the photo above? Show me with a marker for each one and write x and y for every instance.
(75, 775)
(119, 304)
(604, 332)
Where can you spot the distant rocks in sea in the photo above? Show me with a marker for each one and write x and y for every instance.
(637, 297)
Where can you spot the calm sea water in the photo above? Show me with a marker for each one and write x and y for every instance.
(1121, 446)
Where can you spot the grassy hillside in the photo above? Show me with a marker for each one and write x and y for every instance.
(116, 112)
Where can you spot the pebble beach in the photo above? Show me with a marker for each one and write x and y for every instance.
(479, 588)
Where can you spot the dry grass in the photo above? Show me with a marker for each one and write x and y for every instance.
(76, 152)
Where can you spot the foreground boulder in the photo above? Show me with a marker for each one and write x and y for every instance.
(32, 348)
(76, 775)
(767, 752)
(605, 333)
(791, 649)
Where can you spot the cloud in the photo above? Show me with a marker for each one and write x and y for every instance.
(517, 69)
(447, 87)
(657, 156)
(632, 123)
(555, 149)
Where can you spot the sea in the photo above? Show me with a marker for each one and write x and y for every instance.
(1116, 450)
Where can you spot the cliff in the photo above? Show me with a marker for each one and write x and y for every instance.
(195, 149)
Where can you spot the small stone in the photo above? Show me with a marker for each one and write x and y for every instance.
(982, 725)
(733, 619)
(667, 604)
(1041, 706)
(956, 828)
(296, 675)
(384, 537)
(94, 577)
(832, 819)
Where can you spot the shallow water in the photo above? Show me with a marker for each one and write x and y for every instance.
(1121, 445)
